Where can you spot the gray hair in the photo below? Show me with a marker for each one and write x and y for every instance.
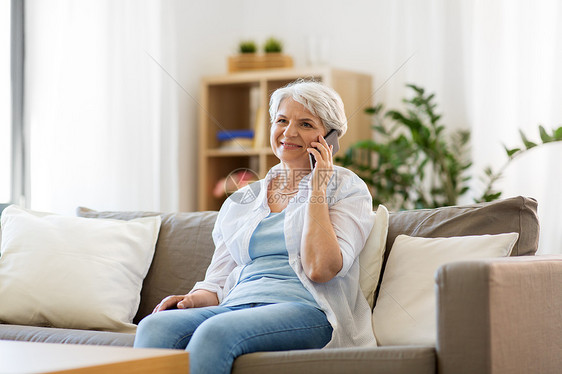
(320, 100)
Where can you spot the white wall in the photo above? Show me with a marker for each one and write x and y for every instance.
(205, 33)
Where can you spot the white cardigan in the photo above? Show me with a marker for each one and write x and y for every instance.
(350, 207)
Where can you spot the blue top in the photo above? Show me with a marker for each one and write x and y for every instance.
(268, 277)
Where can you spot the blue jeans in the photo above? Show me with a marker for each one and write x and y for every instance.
(214, 336)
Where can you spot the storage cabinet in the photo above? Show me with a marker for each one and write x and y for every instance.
(240, 102)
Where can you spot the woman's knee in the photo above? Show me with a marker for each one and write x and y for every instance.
(223, 339)
(160, 331)
(216, 330)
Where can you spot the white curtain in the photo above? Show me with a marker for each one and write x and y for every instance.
(101, 115)
(516, 83)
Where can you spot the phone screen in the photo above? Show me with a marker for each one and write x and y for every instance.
(332, 139)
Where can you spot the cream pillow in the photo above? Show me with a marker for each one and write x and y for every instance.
(370, 259)
(73, 272)
(405, 313)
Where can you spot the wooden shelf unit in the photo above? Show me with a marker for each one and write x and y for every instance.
(241, 101)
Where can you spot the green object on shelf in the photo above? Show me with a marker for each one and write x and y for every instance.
(273, 45)
(247, 46)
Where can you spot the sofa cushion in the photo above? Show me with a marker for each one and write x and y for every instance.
(405, 313)
(370, 259)
(183, 252)
(515, 214)
(73, 272)
(66, 336)
(388, 360)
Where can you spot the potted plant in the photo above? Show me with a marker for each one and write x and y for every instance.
(417, 164)
(247, 46)
(274, 58)
(248, 59)
(273, 45)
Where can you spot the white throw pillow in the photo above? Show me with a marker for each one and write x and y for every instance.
(73, 272)
(370, 259)
(405, 312)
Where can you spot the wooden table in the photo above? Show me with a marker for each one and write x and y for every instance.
(27, 357)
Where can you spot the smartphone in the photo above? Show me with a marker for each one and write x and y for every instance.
(332, 139)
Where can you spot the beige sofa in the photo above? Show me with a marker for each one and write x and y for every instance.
(493, 316)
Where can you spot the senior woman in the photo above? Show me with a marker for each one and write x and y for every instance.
(285, 272)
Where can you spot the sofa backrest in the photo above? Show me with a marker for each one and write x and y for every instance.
(516, 214)
(185, 246)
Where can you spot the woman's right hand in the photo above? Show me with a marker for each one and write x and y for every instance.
(175, 302)
(196, 299)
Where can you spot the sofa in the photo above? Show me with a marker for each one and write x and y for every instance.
(493, 315)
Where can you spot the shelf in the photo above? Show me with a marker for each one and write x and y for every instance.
(240, 101)
(245, 152)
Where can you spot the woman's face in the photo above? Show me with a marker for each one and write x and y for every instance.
(293, 129)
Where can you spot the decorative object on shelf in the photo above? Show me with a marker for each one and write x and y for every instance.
(272, 58)
(260, 132)
(273, 45)
(247, 46)
(417, 165)
(236, 139)
(234, 181)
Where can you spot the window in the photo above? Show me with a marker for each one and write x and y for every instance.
(6, 149)
(11, 102)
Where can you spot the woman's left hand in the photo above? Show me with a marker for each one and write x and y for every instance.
(324, 167)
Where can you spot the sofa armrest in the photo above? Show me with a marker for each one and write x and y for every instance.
(500, 316)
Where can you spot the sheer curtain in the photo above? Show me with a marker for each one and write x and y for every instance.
(100, 113)
(516, 83)
(494, 67)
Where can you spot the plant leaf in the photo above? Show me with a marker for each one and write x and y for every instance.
(558, 133)
(374, 109)
(492, 197)
(511, 152)
(544, 135)
(528, 144)
(380, 129)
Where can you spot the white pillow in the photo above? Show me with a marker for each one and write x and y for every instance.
(370, 259)
(405, 313)
(73, 272)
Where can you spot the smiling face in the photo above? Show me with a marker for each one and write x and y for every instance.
(293, 129)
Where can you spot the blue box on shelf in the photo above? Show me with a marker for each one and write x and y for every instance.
(234, 134)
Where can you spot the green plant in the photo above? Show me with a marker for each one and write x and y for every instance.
(247, 46)
(416, 164)
(491, 177)
(273, 45)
